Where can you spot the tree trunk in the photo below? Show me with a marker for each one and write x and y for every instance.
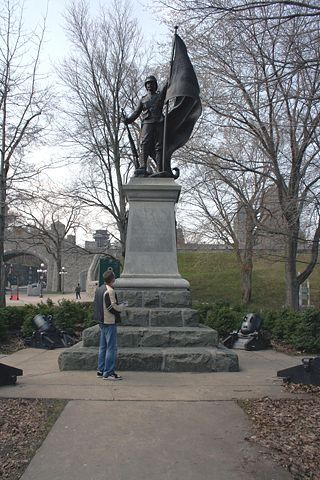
(59, 276)
(292, 286)
(2, 235)
(246, 282)
(246, 258)
(122, 227)
(245, 262)
(2, 263)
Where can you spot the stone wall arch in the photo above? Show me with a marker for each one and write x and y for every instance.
(22, 259)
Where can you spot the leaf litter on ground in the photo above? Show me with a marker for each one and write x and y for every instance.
(24, 424)
(289, 429)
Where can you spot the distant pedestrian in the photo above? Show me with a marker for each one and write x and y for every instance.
(78, 290)
(107, 314)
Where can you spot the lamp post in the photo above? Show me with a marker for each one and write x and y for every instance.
(63, 272)
(41, 272)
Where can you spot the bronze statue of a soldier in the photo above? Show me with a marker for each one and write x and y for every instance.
(151, 137)
(164, 133)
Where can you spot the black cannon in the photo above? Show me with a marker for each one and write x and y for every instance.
(47, 335)
(249, 336)
(308, 373)
(8, 375)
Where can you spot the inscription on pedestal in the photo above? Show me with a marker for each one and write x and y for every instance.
(149, 232)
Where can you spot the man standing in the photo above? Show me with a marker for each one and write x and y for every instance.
(78, 290)
(107, 314)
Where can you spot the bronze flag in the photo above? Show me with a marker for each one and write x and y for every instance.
(183, 87)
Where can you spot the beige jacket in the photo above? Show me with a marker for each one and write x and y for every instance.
(109, 318)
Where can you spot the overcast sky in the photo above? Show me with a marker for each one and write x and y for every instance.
(56, 44)
(56, 47)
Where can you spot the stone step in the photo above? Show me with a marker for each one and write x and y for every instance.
(135, 337)
(160, 317)
(200, 359)
(154, 298)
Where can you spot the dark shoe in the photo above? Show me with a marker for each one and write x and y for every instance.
(99, 374)
(113, 376)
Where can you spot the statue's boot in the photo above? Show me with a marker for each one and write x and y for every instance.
(144, 160)
(142, 170)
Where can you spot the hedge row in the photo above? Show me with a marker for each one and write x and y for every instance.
(69, 316)
(299, 330)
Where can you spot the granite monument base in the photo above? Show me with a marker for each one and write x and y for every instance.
(164, 339)
(159, 331)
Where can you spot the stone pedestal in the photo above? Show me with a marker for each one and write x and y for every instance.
(159, 330)
(151, 247)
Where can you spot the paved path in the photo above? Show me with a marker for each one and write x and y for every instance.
(24, 299)
(95, 440)
(150, 426)
(42, 379)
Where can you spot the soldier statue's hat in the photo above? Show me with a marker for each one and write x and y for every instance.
(151, 78)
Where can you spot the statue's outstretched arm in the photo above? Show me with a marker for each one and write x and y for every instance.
(131, 118)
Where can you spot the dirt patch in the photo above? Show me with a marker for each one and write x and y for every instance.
(24, 424)
(289, 429)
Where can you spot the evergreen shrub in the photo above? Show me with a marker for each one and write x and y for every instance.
(4, 330)
(298, 330)
(306, 335)
(68, 315)
(73, 317)
(221, 316)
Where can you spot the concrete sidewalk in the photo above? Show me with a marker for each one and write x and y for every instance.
(150, 426)
(42, 379)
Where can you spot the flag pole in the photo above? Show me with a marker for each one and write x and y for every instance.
(164, 146)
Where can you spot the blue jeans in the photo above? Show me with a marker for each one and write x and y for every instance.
(107, 349)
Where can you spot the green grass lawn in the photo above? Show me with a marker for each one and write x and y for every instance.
(215, 276)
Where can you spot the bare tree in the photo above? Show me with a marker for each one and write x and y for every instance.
(229, 202)
(258, 80)
(204, 9)
(101, 77)
(47, 220)
(23, 107)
